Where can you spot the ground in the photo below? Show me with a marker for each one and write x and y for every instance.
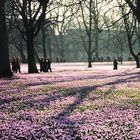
(72, 103)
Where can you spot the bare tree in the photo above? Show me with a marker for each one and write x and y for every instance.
(15, 40)
(33, 14)
(88, 19)
(121, 44)
(65, 14)
(135, 7)
(43, 31)
(14, 37)
(5, 70)
(47, 36)
(130, 26)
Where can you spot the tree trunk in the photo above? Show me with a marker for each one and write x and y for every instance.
(44, 42)
(137, 62)
(5, 70)
(96, 27)
(96, 40)
(97, 49)
(135, 9)
(89, 37)
(62, 51)
(31, 56)
(49, 47)
(133, 54)
(89, 60)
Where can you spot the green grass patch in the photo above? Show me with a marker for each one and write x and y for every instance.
(82, 108)
(130, 93)
(42, 109)
(129, 96)
(45, 88)
(67, 92)
(134, 102)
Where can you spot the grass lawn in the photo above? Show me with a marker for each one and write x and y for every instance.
(71, 103)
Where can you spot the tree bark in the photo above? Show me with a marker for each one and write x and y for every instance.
(62, 52)
(44, 42)
(136, 57)
(137, 61)
(31, 56)
(135, 9)
(89, 60)
(5, 70)
(89, 37)
(49, 44)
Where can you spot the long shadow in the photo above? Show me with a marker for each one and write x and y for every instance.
(80, 94)
(63, 115)
(136, 77)
(53, 97)
(87, 89)
(8, 101)
(61, 119)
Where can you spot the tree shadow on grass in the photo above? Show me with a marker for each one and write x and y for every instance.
(61, 119)
(85, 93)
(121, 79)
(63, 116)
(84, 89)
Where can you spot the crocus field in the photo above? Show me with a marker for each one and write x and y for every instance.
(71, 103)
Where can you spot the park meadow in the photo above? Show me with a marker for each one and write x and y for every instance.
(72, 103)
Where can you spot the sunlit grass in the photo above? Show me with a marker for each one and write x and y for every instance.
(69, 104)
